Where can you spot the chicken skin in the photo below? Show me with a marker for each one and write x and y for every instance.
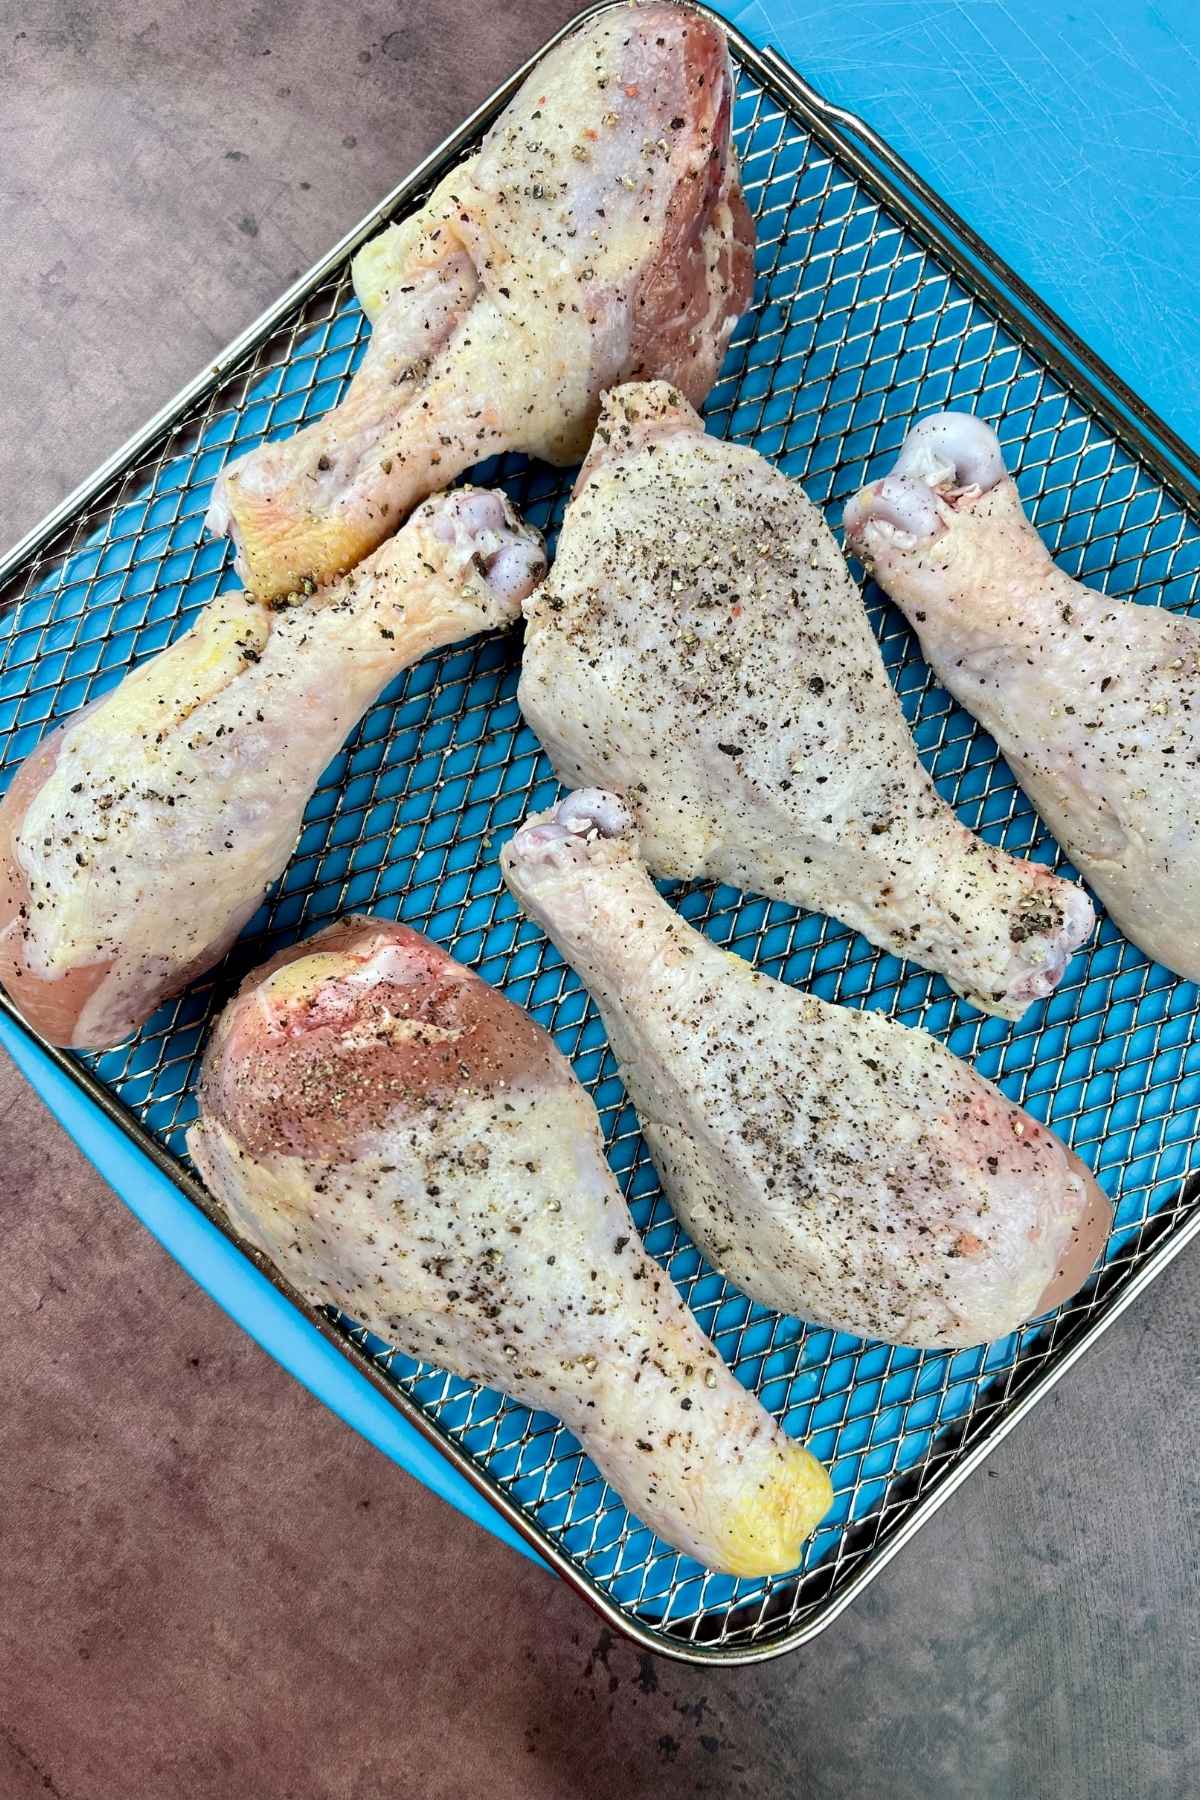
(599, 233)
(139, 838)
(833, 1163)
(701, 649)
(1094, 702)
(403, 1142)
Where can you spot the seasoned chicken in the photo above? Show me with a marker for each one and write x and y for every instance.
(701, 649)
(403, 1142)
(139, 838)
(599, 233)
(832, 1163)
(1094, 702)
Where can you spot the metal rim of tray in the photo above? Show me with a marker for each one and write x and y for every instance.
(929, 219)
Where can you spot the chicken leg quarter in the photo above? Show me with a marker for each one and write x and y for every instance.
(599, 233)
(1095, 702)
(700, 648)
(832, 1163)
(139, 838)
(403, 1142)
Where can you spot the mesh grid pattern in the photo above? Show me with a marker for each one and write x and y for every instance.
(856, 329)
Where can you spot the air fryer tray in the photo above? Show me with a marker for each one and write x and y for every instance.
(874, 304)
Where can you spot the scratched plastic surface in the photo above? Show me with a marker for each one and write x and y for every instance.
(1069, 136)
(854, 332)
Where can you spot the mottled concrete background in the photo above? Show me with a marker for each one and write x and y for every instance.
(208, 1587)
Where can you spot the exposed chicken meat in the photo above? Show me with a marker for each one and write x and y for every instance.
(403, 1142)
(599, 233)
(1095, 702)
(139, 838)
(700, 648)
(832, 1163)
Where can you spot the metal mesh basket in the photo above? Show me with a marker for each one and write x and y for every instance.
(869, 310)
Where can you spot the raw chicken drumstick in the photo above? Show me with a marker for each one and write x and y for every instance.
(833, 1163)
(599, 233)
(403, 1142)
(139, 838)
(700, 648)
(1095, 702)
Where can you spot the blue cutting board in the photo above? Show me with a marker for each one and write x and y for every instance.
(1068, 135)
